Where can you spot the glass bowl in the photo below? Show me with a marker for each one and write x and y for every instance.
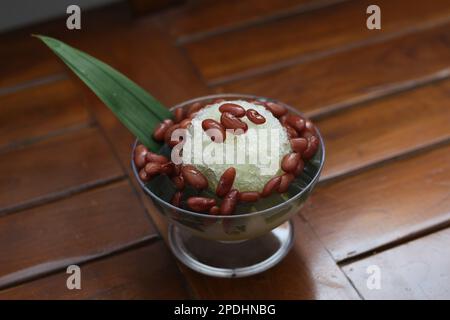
(237, 245)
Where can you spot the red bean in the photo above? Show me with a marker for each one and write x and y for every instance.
(214, 210)
(201, 204)
(276, 109)
(307, 134)
(170, 138)
(271, 186)
(176, 199)
(178, 181)
(194, 177)
(218, 100)
(257, 102)
(218, 134)
(140, 154)
(291, 132)
(168, 133)
(296, 122)
(229, 202)
(231, 122)
(255, 117)
(283, 120)
(234, 109)
(178, 115)
(192, 115)
(161, 129)
(286, 180)
(177, 170)
(153, 157)
(168, 168)
(250, 196)
(196, 106)
(299, 145)
(313, 145)
(144, 176)
(310, 126)
(185, 123)
(152, 169)
(140, 148)
(309, 130)
(290, 162)
(299, 169)
(226, 182)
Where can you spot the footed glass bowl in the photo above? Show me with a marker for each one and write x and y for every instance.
(250, 241)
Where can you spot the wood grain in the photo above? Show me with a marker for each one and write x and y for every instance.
(199, 18)
(40, 111)
(416, 270)
(307, 272)
(173, 80)
(306, 36)
(24, 67)
(148, 272)
(325, 60)
(385, 204)
(142, 7)
(81, 227)
(383, 129)
(184, 87)
(54, 167)
(25, 59)
(355, 76)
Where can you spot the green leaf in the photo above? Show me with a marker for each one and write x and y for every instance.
(132, 105)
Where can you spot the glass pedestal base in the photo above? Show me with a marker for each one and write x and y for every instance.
(235, 258)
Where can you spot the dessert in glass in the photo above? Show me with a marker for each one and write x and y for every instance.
(231, 172)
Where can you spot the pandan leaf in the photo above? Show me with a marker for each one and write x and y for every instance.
(132, 105)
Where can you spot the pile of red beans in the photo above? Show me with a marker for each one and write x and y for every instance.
(302, 137)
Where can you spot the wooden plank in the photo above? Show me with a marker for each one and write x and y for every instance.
(186, 86)
(357, 75)
(42, 239)
(305, 36)
(39, 111)
(384, 129)
(307, 272)
(418, 270)
(55, 167)
(25, 59)
(385, 204)
(148, 272)
(86, 163)
(173, 80)
(309, 256)
(142, 7)
(199, 18)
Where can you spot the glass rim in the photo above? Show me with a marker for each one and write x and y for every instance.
(242, 215)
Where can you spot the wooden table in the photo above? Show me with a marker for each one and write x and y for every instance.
(381, 98)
